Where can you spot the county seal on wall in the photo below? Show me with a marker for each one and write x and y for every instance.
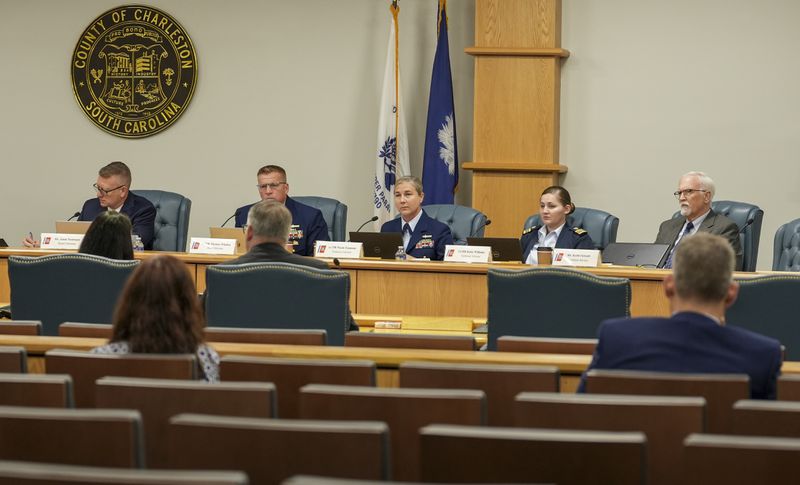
(134, 70)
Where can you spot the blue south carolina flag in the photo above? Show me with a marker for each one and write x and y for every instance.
(440, 165)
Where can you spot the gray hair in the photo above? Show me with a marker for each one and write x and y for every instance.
(409, 179)
(703, 267)
(705, 181)
(270, 219)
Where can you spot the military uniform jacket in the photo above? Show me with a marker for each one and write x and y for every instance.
(570, 238)
(139, 210)
(428, 240)
(308, 225)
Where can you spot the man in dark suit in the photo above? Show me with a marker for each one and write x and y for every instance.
(695, 338)
(308, 225)
(268, 226)
(695, 193)
(113, 194)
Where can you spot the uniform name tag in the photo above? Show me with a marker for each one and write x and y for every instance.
(211, 245)
(576, 257)
(467, 254)
(338, 249)
(54, 240)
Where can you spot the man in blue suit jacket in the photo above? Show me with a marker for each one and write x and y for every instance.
(695, 338)
(308, 225)
(113, 193)
(423, 236)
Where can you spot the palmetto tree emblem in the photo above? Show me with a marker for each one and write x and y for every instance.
(388, 153)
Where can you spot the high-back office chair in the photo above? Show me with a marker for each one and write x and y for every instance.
(304, 297)
(786, 249)
(172, 219)
(601, 226)
(334, 213)
(463, 221)
(576, 302)
(748, 218)
(766, 305)
(66, 287)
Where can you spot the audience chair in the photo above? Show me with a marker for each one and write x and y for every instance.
(766, 305)
(719, 390)
(87, 437)
(543, 345)
(409, 341)
(85, 368)
(85, 330)
(403, 410)
(66, 287)
(577, 303)
(501, 383)
(601, 226)
(266, 336)
(27, 473)
(271, 450)
(51, 390)
(748, 218)
(160, 399)
(20, 327)
(786, 248)
(172, 219)
(789, 387)
(289, 375)
(666, 421)
(463, 221)
(505, 455)
(740, 460)
(235, 298)
(13, 359)
(766, 418)
(334, 213)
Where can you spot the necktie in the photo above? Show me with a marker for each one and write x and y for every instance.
(689, 227)
(406, 229)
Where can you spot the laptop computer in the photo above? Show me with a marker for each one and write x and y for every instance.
(378, 244)
(230, 233)
(72, 227)
(503, 248)
(645, 255)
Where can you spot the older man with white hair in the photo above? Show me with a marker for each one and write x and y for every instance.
(695, 193)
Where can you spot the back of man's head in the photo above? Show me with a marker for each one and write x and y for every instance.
(703, 268)
(270, 220)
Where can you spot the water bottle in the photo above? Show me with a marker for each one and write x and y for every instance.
(400, 255)
(138, 245)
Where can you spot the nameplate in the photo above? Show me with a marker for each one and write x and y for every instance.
(57, 240)
(454, 253)
(338, 249)
(576, 257)
(212, 245)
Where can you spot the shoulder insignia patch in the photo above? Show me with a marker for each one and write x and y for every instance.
(530, 229)
(579, 231)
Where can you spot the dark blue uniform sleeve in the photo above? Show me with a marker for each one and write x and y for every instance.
(444, 238)
(143, 223)
(316, 231)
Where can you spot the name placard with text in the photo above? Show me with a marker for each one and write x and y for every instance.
(212, 245)
(54, 240)
(338, 249)
(467, 254)
(576, 257)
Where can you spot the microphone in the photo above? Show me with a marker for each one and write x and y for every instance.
(228, 219)
(373, 219)
(746, 224)
(336, 262)
(74, 216)
(488, 221)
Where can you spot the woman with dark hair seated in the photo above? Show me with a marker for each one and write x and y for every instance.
(109, 235)
(159, 313)
(555, 204)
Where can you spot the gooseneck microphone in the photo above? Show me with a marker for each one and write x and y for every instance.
(488, 221)
(746, 224)
(373, 219)
(74, 216)
(228, 220)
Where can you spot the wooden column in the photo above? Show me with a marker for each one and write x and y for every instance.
(516, 115)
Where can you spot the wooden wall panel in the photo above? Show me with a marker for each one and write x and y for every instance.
(508, 198)
(518, 23)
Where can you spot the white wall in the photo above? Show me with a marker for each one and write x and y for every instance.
(651, 90)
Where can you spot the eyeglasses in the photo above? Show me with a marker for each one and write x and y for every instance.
(686, 192)
(270, 186)
(104, 191)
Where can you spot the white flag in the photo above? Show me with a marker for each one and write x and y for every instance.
(392, 150)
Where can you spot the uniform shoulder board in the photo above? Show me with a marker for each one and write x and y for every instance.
(530, 229)
(579, 231)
